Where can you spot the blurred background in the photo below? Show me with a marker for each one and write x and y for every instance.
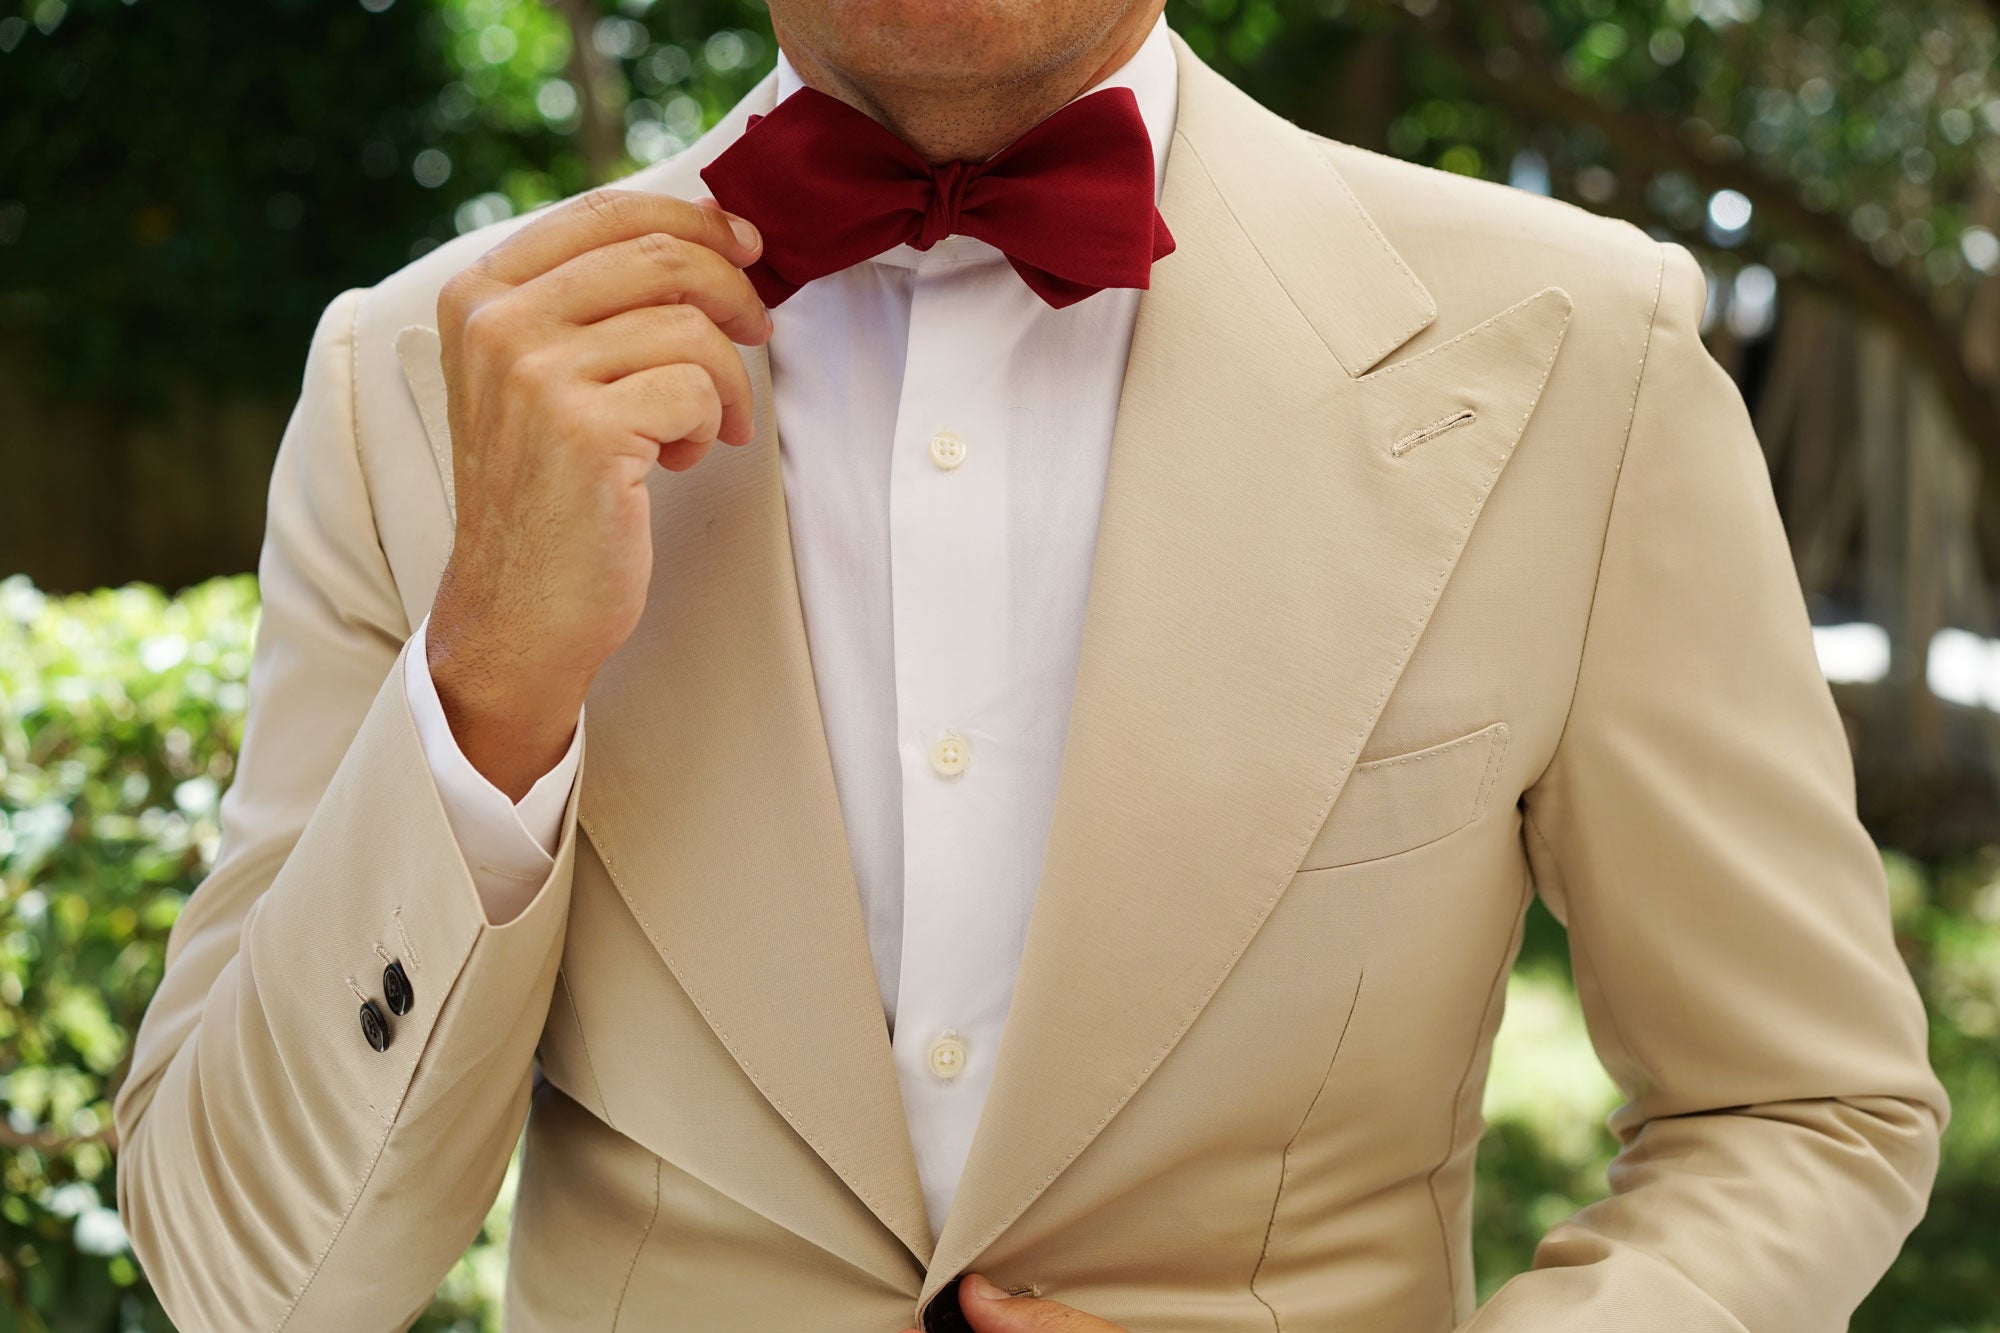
(183, 187)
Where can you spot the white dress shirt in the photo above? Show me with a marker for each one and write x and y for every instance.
(943, 438)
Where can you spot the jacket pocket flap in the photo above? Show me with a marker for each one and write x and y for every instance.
(1403, 801)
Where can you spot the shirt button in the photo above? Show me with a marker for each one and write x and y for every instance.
(947, 450)
(947, 1056)
(950, 754)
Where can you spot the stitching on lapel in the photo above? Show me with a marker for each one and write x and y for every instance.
(1432, 431)
(418, 350)
(1495, 749)
(1486, 325)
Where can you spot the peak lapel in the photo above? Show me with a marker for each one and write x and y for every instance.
(1277, 527)
(709, 797)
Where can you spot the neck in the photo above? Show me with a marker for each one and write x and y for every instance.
(951, 121)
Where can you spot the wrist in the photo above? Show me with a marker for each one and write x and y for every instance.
(511, 722)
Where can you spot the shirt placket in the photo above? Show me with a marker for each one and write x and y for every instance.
(950, 582)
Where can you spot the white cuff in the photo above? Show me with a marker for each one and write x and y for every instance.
(508, 847)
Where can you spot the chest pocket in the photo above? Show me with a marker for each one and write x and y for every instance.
(1403, 801)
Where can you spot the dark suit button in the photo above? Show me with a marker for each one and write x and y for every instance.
(943, 1314)
(374, 1026)
(396, 989)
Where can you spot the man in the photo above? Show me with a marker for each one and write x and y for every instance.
(1050, 810)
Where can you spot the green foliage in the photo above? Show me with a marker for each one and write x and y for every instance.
(1949, 1274)
(523, 99)
(120, 712)
(1882, 118)
(184, 187)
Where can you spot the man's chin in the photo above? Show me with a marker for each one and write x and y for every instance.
(924, 44)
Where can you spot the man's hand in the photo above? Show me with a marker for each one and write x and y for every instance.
(588, 347)
(990, 1310)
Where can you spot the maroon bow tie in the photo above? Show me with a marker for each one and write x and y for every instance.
(1070, 203)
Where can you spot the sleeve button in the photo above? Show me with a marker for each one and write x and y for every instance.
(396, 989)
(374, 1026)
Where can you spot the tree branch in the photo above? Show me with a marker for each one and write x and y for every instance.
(598, 134)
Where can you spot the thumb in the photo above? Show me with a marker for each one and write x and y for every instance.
(990, 1310)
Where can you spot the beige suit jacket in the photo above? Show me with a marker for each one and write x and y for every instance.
(1438, 568)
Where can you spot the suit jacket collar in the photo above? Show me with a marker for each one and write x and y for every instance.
(1271, 547)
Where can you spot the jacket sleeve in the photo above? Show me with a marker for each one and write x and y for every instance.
(275, 1169)
(1728, 916)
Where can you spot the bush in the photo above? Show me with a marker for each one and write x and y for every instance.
(120, 713)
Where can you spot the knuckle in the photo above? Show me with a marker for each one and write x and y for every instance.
(704, 384)
(687, 382)
(455, 298)
(690, 388)
(606, 206)
(489, 326)
(661, 248)
(683, 323)
(531, 367)
(708, 230)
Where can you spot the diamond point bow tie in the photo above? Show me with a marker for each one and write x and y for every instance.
(1070, 203)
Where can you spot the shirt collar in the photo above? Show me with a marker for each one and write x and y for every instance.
(1154, 78)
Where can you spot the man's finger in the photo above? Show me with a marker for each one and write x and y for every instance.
(661, 335)
(666, 406)
(990, 1310)
(651, 269)
(606, 217)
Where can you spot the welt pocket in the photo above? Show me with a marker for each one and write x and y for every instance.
(1400, 802)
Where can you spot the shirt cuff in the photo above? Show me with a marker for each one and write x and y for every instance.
(508, 847)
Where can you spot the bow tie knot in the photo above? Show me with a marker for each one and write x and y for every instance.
(948, 184)
(1069, 203)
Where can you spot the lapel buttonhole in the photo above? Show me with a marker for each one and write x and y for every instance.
(1431, 432)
